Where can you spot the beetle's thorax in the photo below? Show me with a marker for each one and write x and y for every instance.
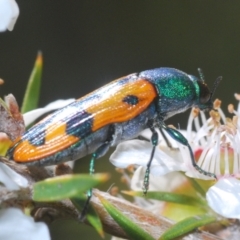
(176, 91)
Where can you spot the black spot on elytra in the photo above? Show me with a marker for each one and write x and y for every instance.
(36, 136)
(131, 100)
(38, 142)
(80, 125)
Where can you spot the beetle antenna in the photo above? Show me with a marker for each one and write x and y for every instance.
(215, 85)
(200, 72)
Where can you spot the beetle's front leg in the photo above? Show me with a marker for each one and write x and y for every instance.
(154, 141)
(165, 138)
(176, 135)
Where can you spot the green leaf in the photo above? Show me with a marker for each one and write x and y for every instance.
(31, 97)
(91, 216)
(169, 197)
(187, 225)
(66, 186)
(132, 230)
(4, 105)
(197, 186)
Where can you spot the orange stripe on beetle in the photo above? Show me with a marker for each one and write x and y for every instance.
(114, 109)
(56, 140)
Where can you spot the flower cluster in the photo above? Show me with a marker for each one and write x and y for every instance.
(215, 144)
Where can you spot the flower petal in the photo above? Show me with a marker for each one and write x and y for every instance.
(224, 197)
(11, 179)
(16, 225)
(9, 12)
(31, 116)
(165, 183)
(138, 152)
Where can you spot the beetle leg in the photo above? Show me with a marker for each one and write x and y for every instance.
(165, 138)
(154, 140)
(97, 154)
(176, 135)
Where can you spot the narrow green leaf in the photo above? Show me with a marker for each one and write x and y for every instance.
(92, 216)
(196, 186)
(31, 97)
(187, 225)
(4, 105)
(132, 230)
(169, 197)
(66, 186)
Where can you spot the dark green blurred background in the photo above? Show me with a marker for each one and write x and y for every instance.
(86, 44)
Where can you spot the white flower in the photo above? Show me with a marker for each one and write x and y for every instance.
(215, 144)
(16, 225)
(224, 197)
(9, 12)
(165, 160)
(11, 179)
(138, 152)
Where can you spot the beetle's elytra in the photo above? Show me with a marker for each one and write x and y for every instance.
(116, 112)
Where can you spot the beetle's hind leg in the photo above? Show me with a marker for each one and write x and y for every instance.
(97, 154)
(154, 141)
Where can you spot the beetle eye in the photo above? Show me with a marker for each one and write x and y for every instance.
(205, 94)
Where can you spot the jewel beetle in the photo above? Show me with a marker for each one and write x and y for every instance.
(113, 113)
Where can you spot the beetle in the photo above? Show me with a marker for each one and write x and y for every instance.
(113, 113)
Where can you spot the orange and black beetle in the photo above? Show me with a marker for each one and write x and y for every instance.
(116, 112)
